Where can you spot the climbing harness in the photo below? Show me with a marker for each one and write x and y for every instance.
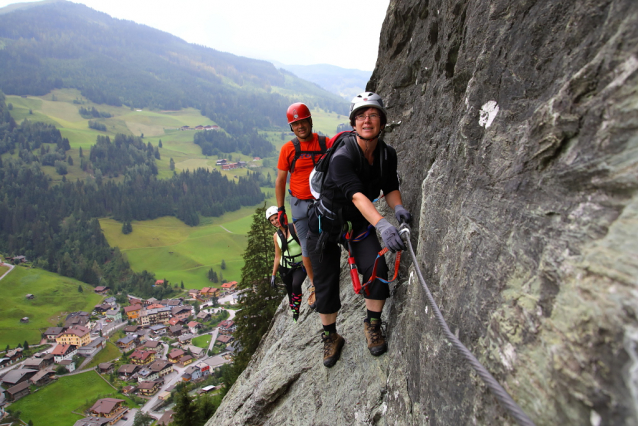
(501, 394)
(354, 273)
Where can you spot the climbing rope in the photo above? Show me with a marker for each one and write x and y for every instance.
(501, 394)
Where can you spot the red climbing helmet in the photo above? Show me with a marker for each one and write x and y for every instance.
(297, 111)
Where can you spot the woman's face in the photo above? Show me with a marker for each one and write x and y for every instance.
(273, 219)
(368, 122)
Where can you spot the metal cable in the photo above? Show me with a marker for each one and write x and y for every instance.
(501, 394)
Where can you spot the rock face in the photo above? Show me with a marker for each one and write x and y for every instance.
(516, 126)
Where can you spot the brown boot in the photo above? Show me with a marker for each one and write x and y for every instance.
(332, 345)
(374, 337)
(311, 298)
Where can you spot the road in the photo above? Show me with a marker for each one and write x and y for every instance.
(10, 266)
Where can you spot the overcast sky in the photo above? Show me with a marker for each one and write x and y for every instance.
(292, 32)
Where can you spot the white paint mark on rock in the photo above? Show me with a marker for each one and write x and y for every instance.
(488, 114)
(508, 356)
(595, 418)
(384, 409)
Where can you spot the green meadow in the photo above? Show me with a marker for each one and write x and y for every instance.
(55, 296)
(165, 246)
(53, 404)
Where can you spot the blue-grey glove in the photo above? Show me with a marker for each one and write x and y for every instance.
(272, 282)
(390, 235)
(402, 215)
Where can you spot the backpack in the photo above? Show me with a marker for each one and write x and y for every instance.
(298, 151)
(284, 243)
(319, 173)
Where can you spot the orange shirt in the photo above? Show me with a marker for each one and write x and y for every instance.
(299, 185)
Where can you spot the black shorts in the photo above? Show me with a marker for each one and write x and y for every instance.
(327, 270)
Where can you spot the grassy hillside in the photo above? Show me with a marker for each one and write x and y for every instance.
(48, 407)
(54, 297)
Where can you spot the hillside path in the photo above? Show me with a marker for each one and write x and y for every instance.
(13, 266)
(230, 232)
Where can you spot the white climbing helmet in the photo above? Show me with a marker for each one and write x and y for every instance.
(366, 100)
(271, 211)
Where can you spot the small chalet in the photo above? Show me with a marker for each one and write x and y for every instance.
(100, 309)
(68, 364)
(78, 318)
(92, 421)
(192, 373)
(92, 348)
(175, 355)
(133, 312)
(142, 357)
(158, 330)
(105, 367)
(127, 370)
(29, 296)
(52, 332)
(150, 387)
(17, 376)
(127, 390)
(16, 392)
(227, 327)
(225, 338)
(175, 330)
(42, 378)
(186, 359)
(101, 289)
(185, 339)
(196, 351)
(181, 312)
(113, 314)
(109, 408)
(194, 326)
(175, 321)
(152, 345)
(166, 419)
(203, 316)
(64, 352)
(14, 356)
(127, 343)
(193, 293)
(132, 329)
(230, 286)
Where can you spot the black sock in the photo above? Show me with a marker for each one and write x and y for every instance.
(332, 328)
(373, 315)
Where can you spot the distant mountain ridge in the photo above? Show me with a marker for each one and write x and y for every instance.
(62, 44)
(342, 81)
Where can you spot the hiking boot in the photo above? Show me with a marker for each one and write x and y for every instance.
(295, 315)
(374, 337)
(312, 301)
(332, 345)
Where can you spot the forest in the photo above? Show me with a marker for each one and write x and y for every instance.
(56, 225)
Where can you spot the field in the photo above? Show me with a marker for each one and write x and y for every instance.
(47, 407)
(109, 353)
(54, 296)
(202, 341)
(165, 246)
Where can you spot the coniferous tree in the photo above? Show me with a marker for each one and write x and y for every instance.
(172, 164)
(80, 289)
(185, 410)
(223, 264)
(26, 345)
(259, 301)
(182, 285)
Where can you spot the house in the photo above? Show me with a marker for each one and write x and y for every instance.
(34, 364)
(196, 351)
(105, 368)
(142, 357)
(52, 332)
(171, 303)
(20, 259)
(69, 365)
(175, 330)
(17, 376)
(16, 392)
(152, 345)
(127, 370)
(113, 314)
(181, 312)
(135, 301)
(158, 330)
(175, 355)
(229, 166)
(192, 373)
(132, 329)
(185, 339)
(186, 359)
(110, 408)
(92, 421)
(204, 368)
(242, 164)
(127, 343)
(100, 309)
(175, 321)
(227, 327)
(127, 390)
(14, 356)
(221, 162)
(160, 282)
(41, 378)
(29, 296)
(203, 316)
(111, 301)
(166, 418)
(76, 335)
(78, 318)
(163, 396)
(144, 335)
(194, 326)
(225, 338)
(161, 367)
(101, 289)
(150, 387)
(229, 286)
(133, 312)
(64, 352)
(193, 293)
(92, 348)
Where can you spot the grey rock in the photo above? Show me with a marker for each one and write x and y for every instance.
(525, 228)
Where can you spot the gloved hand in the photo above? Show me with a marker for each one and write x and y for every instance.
(390, 236)
(402, 214)
(281, 216)
(272, 282)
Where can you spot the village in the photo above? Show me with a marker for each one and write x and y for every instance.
(157, 352)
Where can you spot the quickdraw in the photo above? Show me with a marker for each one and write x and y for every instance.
(354, 273)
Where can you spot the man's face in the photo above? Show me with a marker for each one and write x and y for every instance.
(302, 128)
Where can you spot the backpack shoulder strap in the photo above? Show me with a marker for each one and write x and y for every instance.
(284, 241)
(293, 233)
(322, 144)
(297, 145)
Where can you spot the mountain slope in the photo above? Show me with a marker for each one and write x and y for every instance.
(116, 62)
